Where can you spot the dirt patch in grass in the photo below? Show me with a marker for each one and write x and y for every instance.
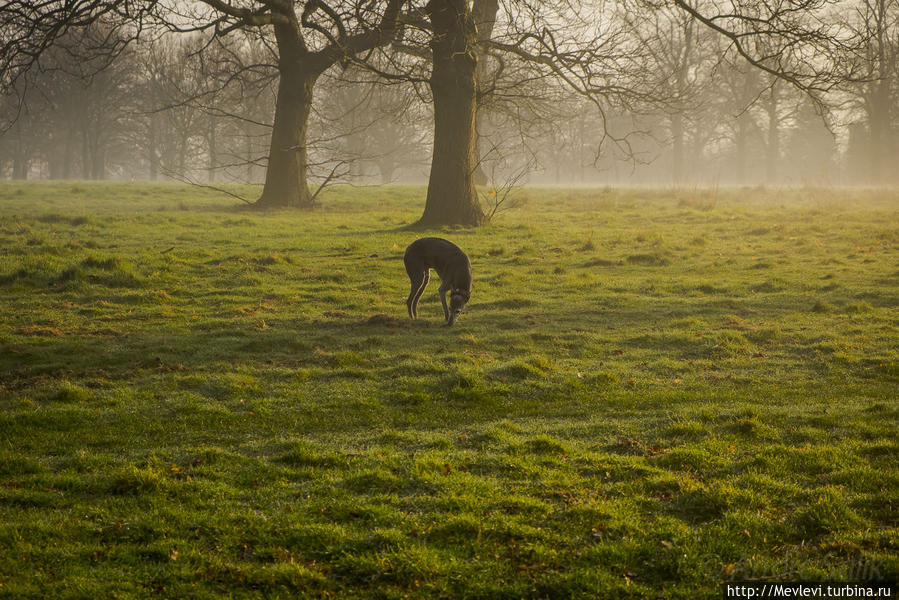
(385, 320)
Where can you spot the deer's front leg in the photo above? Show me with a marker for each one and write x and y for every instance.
(442, 290)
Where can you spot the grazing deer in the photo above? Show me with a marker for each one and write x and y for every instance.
(453, 268)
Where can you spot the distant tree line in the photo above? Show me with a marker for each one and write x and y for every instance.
(297, 95)
(187, 108)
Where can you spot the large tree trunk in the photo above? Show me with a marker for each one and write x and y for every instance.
(85, 152)
(452, 198)
(69, 152)
(212, 142)
(880, 126)
(98, 162)
(682, 66)
(773, 137)
(677, 148)
(54, 156)
(21, 159)
(742, 148)
(484, 14)
(285, 177)
(152, 148)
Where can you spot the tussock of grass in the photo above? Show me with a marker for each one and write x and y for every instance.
(859, 307)
(135, 481)
(828, 513)
(600, 262)
(68, 220)
(708, 288)
(69, 393)
(510, 304)
(702, 202)
(699, 504)
(648, 260)
(822, 306)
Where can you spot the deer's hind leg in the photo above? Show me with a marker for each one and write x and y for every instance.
(418, 288)
(419, 275)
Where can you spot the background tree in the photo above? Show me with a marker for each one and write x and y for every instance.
(811, 144)
(310, 37)
(678, 89)
(876, 93)
(684, 56)
(378, 128)
(484, 13)
(452, 197)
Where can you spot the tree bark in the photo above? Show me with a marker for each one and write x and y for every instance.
(484, 14)
(285, 175)
(85, 152)
(742, 150)
(452, 198)
(299, 68)
(773, 156)
(212, 143)
(152, 148)
(677, 148)
(21, 159)
(682, 66)
(98, 162)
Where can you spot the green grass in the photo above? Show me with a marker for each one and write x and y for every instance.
(651, 392)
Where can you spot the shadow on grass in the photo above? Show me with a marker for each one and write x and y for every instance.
(286, 343)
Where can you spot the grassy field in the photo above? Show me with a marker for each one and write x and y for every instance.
(652, 392)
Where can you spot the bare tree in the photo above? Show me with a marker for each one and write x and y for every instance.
(371, 125)
(310, 37)
(811, 146)
(451, 192)
(685, 59)
(876, 95)
(803, 42)
(587, 54)
(75, 108)
(484, 13)
(172, 65)
(508, 81)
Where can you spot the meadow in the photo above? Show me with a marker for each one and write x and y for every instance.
(652, 392)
